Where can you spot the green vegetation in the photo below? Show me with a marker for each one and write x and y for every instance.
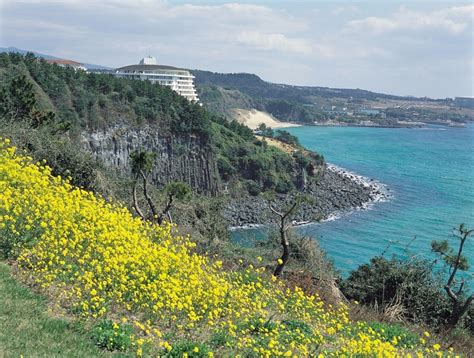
(414, 288)
(45, 109)
(456, 261)
(28, 329)
(112, 336)
(410, 284)
(304, 104)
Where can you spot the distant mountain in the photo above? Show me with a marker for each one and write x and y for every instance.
(225, 92)
(89, 66)
(253, 85)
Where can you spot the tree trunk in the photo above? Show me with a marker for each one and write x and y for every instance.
(135, 201)
(147, 196)
(286, 253)
(459, 310)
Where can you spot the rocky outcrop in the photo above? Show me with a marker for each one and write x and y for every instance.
(177, 158)
(336, 192)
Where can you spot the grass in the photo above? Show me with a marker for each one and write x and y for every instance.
(27, 330)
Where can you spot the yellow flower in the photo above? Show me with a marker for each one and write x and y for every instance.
(102, 261)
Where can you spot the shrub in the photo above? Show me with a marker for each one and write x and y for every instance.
(383, 282)
(284, 186)
(112, 336)
(394, 332)
(226, 169)
(254, 188)
(187, 349)
(287, 137)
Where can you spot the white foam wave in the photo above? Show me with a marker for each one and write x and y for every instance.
(379, 191)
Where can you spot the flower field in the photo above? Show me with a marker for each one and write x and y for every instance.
(142, 288)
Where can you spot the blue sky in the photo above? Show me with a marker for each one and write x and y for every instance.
(421, 48)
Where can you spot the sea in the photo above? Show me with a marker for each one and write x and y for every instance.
(428, 173)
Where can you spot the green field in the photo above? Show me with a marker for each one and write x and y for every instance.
(27, 330)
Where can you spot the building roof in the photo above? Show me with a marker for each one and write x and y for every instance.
(65, 62)
(148, 67)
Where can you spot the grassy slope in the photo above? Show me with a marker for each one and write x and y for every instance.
(26, 329)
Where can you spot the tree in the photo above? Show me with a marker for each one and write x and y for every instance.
(18, 102)
(265, 130)
(284, 225)
(142, 165)
(455, 261)
(287, 137)
(178, 190)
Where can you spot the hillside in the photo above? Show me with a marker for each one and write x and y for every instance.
(305, 104)
(141, 288)
(89, 66)
(110, 117)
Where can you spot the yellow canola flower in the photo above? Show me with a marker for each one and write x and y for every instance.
(103, 258)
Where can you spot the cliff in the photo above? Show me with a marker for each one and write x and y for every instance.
(178, 158)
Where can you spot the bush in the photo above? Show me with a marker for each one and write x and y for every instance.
(226, 169)
(187, 349)
(112, 336)
(392, 332)
(286, 137)
(302, 160)
(284, 186)
(254, 188)
(383, 282)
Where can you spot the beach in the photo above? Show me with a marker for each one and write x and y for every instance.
(253, 118)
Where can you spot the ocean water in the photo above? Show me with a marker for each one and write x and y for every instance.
(429, 173)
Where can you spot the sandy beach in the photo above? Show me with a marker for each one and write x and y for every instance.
(253, 118)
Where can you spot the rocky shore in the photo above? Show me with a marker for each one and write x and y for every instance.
(336, 193)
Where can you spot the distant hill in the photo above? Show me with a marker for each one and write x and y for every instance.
(224, 92)
(253, 85)
(89, 66)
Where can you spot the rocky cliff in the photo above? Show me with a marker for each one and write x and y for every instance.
(177, 158)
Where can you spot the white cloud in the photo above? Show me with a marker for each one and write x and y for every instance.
(345, 9)
(453, 20)
(278, 42)
(283, 41)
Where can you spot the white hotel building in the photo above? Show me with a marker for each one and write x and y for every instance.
(178, 79)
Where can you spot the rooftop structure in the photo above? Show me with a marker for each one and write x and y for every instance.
(68, 63)
(180, 80)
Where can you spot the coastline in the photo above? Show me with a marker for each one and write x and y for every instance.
(253, 118)
(339, 193)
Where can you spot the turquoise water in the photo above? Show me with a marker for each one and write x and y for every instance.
(430, 173)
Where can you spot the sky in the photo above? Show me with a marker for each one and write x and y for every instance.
(419, 48)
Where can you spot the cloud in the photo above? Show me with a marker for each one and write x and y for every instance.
(291, 42)
(278, 42)
(453, 20)
(344, 9)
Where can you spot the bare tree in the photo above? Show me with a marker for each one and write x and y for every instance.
(456, 261)
(284, 224)
(142, 164)
(178, 190)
